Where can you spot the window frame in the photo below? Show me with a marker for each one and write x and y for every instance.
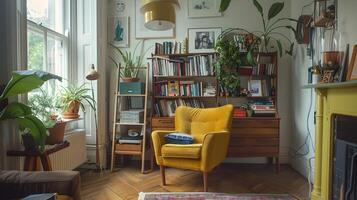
(45, 32)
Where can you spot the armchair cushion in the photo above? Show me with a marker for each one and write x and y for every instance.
(188, 151)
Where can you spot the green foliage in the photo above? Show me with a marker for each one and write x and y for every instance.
(35, 50)
(43, 106)
(275, 9)
(23, 82)
(74, 93)
(131, 62)
(227, 64)
(224, 5)
(271, 30)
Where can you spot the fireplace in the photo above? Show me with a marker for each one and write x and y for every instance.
(344, 172)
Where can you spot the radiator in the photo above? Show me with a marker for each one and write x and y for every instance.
(72, 156)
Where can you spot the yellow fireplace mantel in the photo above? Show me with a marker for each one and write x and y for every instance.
(332, 98)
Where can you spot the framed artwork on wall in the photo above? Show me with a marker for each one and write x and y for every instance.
(118, 31)
(142, 32)
(203, 8)
(202, 40)
(352, 69)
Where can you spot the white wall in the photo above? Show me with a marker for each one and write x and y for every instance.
(300, 97)
(301, 100)
(241, 14)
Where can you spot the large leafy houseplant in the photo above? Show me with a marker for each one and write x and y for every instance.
(131, 63)
(23, 82)
(226, 66)
(73, 97)
(270, 32)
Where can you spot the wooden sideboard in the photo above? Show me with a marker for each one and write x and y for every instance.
(250, 137)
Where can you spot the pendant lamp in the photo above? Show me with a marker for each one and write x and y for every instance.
(159, 14)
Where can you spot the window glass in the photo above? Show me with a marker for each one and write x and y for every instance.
(48, 13)
(35, 50)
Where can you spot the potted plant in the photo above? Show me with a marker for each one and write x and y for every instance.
(32, 129)
(226, 66)
(129, 71)
(270, 30)
(43, 107)
(73, 97)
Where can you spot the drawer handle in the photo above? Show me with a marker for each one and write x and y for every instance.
(165, 121)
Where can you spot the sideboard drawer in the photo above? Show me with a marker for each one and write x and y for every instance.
(163, 122)
(243, 142)
(254, 132)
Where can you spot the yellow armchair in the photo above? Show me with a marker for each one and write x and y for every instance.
(210, 128)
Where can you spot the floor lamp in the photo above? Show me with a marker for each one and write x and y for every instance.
(93, 75)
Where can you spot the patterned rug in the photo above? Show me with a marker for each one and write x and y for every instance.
(210, 196)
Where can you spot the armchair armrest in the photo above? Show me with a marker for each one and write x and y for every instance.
(214, 149)
(158, 140)
(18, 184)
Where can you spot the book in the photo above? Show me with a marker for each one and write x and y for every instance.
(167, 108)
(173, 88)
(125, 139)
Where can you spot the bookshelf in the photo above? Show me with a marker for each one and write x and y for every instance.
(254, 136)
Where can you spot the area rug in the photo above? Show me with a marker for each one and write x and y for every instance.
(210, 196)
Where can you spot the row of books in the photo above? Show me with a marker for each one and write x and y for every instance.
(260, 69)
(183, 88)
(170, 48)
(167, 108)
(263, 108)
(201, 65)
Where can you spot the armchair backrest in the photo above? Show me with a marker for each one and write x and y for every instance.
(197, 121)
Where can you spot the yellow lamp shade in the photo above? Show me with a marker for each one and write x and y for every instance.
(159, 14)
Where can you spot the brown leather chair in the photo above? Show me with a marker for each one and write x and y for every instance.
(19, 184)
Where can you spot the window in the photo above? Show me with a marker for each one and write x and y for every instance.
(47, 37)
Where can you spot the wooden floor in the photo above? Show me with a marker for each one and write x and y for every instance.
(127, 182)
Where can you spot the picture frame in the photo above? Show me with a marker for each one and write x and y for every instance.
(202, 40)
(352, 69)
(141, 32)
(203, 8)
(255, 88)
(118, 33)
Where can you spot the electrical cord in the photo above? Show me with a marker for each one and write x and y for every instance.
(308, 138)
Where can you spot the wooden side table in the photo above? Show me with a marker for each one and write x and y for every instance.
(32, 158)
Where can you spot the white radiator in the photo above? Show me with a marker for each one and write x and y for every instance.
(72, 156)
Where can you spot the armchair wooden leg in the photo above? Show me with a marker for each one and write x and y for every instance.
(162, 170)
(205, 181)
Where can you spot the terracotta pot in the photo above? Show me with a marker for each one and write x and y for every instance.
(56, 133)
(72, 111)
(332, 57)
(129, 79)
(28, 142)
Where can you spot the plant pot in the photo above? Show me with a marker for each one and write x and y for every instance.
(28, 142)
(249, 113)
(56, 133)
(72, 111)
(129, 79)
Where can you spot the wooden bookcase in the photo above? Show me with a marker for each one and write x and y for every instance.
(250, 136)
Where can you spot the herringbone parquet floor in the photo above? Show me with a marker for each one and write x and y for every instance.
(127, 182)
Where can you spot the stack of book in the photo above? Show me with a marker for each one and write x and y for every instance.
(260, 69)
(239, 113)
(209, 91)
(170, 48)
(125, 139)
(167, 108)
(264, 108)
(131, 116)
(201, 65)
